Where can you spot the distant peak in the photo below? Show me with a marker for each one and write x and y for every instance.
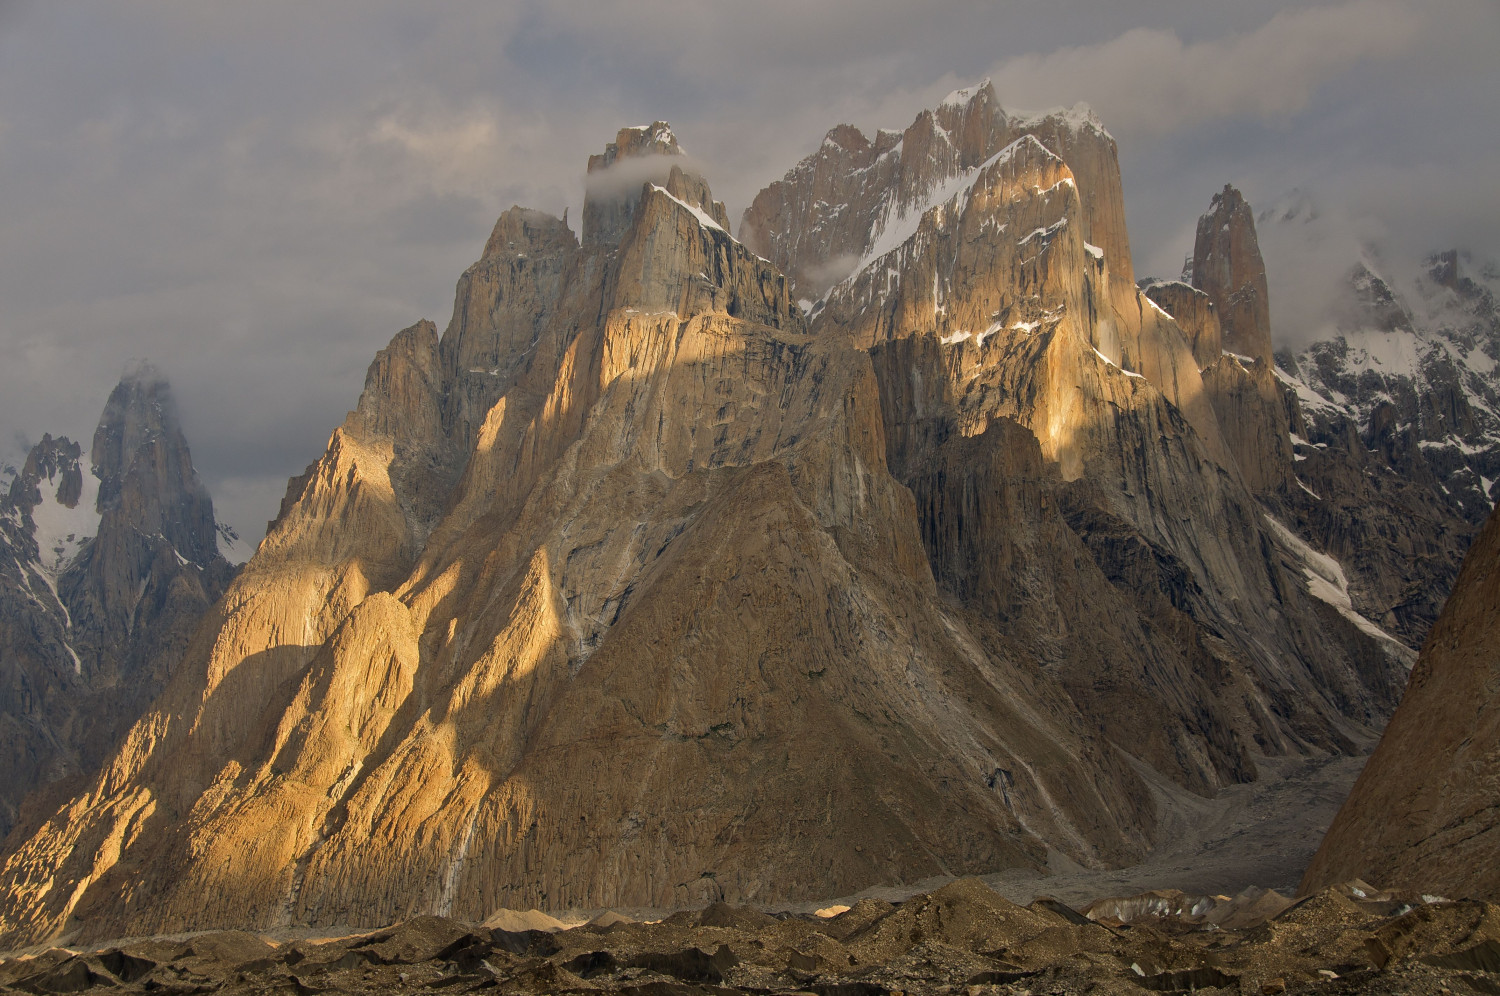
(143, 373)
(523, 230)
(847, 137)
(1443, 268)
(967, 95)
(637, 141)
(1228, 199)
(1078, 118)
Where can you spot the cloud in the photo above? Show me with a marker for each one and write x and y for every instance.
(1148, 81)
(624, 177)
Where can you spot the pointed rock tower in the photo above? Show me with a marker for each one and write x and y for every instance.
(113, 562)
(1228, 268)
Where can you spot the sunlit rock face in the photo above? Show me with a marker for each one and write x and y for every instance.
(1422, 815)
(669, 594)
(646, 583)
(995, 305)
(111, 558)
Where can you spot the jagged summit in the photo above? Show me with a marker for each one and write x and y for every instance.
(639, 157)
(112, 557)
(523, 230)
(637, 141)
(1227, 266)
(833, 209)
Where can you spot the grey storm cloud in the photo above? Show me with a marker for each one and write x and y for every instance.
(255, 197)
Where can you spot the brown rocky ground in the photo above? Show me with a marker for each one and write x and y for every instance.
(963, 938)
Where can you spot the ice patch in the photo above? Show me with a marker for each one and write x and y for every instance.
(1112, 363)
(62, 531)
(704, 218)
(1326, 581)
(1098, 254)
(898, 226)
(1045, 233)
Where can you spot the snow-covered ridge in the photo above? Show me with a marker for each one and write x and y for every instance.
(964, 96)
(61, 531)
(704, 218)
(1431, 357)
(897, 227)
(1077, 118)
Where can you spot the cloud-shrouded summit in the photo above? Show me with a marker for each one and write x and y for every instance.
(257, 196)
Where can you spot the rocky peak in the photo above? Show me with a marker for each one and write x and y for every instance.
(839, 203)
(638, 156)
(146, 478)
(522, 230)
(110, 568)
(1373, 304)
(54, 461)
(137, 588)
(1227, 266)
(655, 139)
(1443, 269)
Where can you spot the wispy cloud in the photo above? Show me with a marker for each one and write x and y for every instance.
(1149, 81)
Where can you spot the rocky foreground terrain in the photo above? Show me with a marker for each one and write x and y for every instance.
(963, 938)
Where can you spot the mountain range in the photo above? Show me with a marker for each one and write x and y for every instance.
(902, 534)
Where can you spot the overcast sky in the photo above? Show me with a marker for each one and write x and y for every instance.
(257, 196)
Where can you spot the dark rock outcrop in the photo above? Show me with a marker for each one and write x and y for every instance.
(110, 566)
(1227, 266)
(1425, 813)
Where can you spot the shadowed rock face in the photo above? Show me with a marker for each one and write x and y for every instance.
(1228, 268)
(1397, 441)
(1423, 814)
(156, 555)
(110, 567)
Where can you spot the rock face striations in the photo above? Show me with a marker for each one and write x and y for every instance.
(1423, 814)
(646, 584)
(111, 563)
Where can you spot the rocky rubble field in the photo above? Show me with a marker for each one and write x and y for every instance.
(963, 938)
